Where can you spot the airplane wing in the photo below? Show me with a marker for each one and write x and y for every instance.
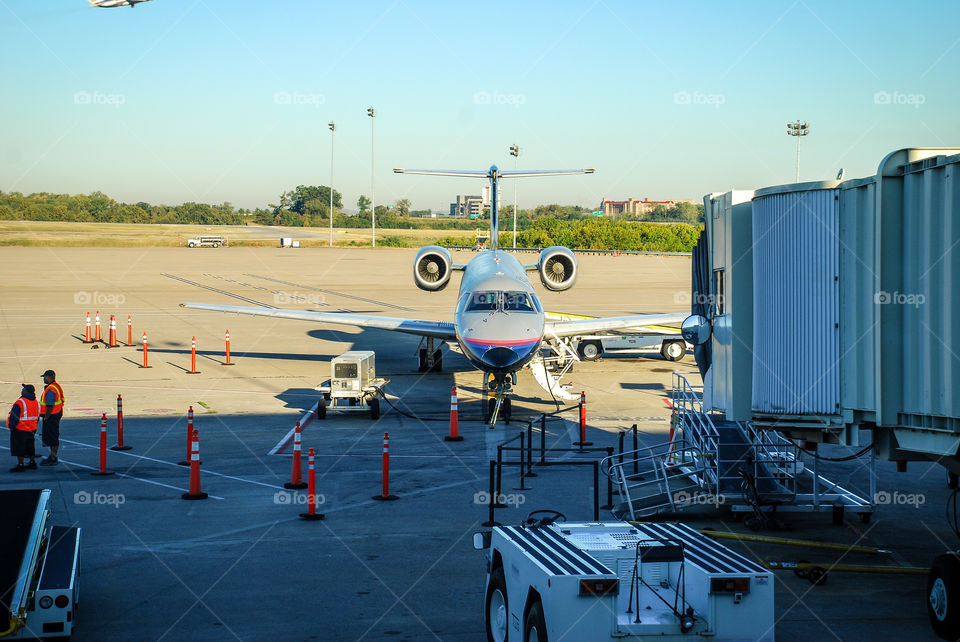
(595, 326)
(437, 329)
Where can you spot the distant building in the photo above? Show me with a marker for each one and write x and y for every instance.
(466, 206)
(634, 206)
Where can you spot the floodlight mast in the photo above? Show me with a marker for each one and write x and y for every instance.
(333, 128)
(799, 130)
(373, 187)
(515, 152)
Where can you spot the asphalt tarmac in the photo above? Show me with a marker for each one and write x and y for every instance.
(243, 565)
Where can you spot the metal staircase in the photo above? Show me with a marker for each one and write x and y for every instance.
(711, 461)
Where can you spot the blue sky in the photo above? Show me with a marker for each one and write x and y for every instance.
(217, 100)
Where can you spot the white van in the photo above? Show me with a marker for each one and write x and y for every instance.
(206, 241)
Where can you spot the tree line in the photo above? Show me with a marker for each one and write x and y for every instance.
(97, 207)
(309, 205)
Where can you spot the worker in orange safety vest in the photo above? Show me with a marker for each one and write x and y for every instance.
(22, 422)
(51, 409)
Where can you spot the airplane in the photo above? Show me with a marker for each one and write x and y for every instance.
(499, 322)
(110, 4)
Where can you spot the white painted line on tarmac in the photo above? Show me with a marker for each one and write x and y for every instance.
(124, 386)
(141, 479)
(170, 463)
(414, 493)
(288, 438)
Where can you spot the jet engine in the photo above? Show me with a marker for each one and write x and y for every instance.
(558, 268)
(431, 268)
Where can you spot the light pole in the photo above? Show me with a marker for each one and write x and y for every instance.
(798, 129)
(373, 189)
(515, 152)
(333, 128)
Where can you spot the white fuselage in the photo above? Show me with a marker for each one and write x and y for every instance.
(499, 319)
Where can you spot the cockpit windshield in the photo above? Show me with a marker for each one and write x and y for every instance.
(493, 301)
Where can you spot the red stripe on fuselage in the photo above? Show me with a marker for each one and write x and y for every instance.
(501, 343)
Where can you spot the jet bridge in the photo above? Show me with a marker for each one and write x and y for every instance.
(827, 312)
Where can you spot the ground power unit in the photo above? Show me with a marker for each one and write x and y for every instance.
(353, 385)
(621, 581)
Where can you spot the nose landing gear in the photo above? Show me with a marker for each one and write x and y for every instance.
(498, 405)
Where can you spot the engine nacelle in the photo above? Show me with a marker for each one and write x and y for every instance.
(557, 268)
(431, 268)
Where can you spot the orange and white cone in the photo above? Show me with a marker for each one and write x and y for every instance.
(311, 514)
(296, 474)
(454, 421)
(195, 492)
(87, 337)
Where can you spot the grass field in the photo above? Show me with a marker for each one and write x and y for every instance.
(66, 234)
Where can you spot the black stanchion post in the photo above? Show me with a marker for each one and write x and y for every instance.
(622, 433)
(636, 463)
(609, 504)
(522, 441)
(596, 490)
(490, 499)
(530, 472)
(496, 498)
(543, 438)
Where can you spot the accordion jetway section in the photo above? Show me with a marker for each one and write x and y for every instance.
(851, 321)
(836, 311)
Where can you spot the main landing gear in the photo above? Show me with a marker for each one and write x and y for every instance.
(431, 359)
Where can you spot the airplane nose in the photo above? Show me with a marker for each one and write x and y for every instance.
(500, 357)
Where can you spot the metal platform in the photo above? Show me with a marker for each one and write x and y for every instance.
(712, 462)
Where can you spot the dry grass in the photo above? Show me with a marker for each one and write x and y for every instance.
(68, 234)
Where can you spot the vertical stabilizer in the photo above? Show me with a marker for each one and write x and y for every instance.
(494, 213)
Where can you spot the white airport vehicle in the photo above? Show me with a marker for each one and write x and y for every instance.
(353, 385)
(552, 580)
(670, 346)
(638, 340)
(39, 571)
(206, 241)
